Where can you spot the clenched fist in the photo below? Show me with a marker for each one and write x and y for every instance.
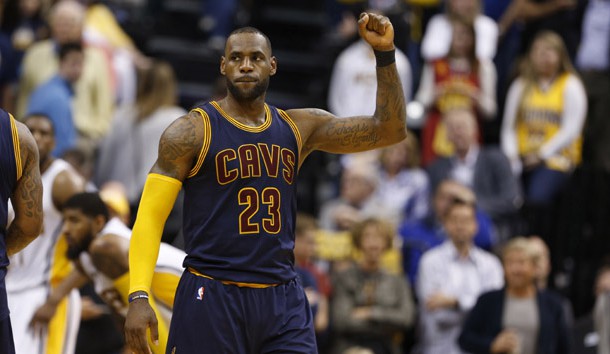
(376, 30)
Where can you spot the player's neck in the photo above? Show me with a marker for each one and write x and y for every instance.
(250, 112)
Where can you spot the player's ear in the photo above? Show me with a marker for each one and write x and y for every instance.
(273, 66)
(98, 222)
(222, 65)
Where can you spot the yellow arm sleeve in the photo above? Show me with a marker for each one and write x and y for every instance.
(160, 193)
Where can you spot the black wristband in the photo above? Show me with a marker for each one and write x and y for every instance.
(384, 58)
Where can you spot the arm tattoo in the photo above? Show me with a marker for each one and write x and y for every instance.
(27, 201)
(359, 135)
(179, 146)
(390, 98)
(178, 141)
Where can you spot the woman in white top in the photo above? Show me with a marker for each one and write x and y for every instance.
(437, 38)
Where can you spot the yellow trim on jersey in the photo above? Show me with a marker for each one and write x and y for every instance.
(163, 288)
(295, 129)
(61, 266)
(207, 138)
(56, 330)
(16, 146)
(236, 283)
(242, 126)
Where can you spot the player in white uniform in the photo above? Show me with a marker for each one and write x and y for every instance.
(43, 263)
(99, 246)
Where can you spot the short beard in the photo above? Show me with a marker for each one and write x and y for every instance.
(248, 95)
(74, 251)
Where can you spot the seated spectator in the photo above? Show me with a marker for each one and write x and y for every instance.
(543, 119)
(451, 277)
(542, 257)
(422, 235)
(484, 169)
(355, 201)
(370, 307)
(458, 80)
(437, 38)
(316, 283)
(93, 103)
(54, 97)
(130, 148)
(403, 186)
(519, 318)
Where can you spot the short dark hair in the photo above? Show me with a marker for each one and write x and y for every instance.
(68, 48)
(35, 115)
(252, 30)
(90, 204)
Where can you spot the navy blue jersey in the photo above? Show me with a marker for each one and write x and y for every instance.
(240, 198)
(9, 159)
(10, 168)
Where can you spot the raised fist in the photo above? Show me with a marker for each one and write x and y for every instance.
(377, 31)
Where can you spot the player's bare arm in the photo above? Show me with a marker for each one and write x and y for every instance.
(27, 196)
(46, 311)
(109, 254)
(323, 131)
(179, 147)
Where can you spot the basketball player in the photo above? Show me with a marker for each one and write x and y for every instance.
(237, 160)
(43, 264)
(98, 245)
(20, 182)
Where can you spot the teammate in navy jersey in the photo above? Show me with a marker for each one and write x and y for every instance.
(237, 160)
(20, 182)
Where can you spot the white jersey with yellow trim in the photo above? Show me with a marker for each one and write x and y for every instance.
(169, 262)
(34, 265)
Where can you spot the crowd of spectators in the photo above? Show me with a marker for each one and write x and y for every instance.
(414, 248)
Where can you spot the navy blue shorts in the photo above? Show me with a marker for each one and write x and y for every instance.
(212, 317)
(7, 346)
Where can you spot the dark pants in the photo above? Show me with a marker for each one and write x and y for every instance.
(212, 317)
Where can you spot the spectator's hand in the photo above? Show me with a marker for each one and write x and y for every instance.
(377, 31)
(42, 317)
(140, 317)
(505, 342)
(531, 161)
(362, 313)
(440, 301)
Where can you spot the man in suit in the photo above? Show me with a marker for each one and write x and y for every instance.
(484, 169)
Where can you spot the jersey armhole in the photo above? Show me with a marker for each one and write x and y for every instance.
(207, 137)
(294, 128)
(16, 147)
